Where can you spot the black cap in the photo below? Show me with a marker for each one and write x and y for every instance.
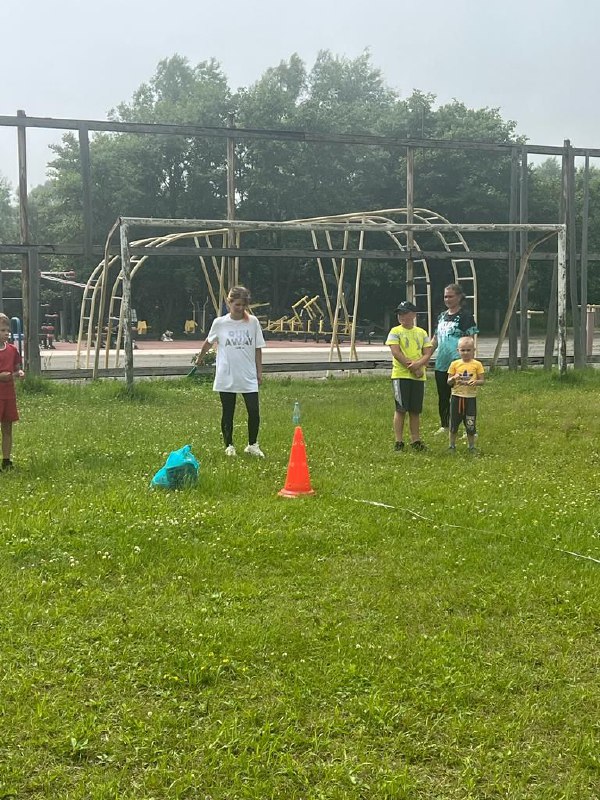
(405, 306)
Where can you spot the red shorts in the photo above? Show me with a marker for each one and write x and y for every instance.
(8, 409)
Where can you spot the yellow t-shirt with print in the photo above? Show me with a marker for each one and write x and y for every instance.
(468, 370)
(412, 342)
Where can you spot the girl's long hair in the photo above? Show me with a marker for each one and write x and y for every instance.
(240, 293)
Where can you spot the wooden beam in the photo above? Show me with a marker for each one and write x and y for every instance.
(76, 250)
(214, 225)
(282, 135)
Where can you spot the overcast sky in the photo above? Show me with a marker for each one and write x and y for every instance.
(537, 61)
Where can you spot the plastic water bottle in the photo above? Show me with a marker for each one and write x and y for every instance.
(296, 414)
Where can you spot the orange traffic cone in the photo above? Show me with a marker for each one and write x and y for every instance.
(298, 479)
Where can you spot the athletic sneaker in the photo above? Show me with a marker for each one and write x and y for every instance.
(418, 445)
(254, 450)
(440, 431)
(399, 446)
(230, 450)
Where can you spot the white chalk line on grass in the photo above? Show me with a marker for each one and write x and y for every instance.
(479, 530)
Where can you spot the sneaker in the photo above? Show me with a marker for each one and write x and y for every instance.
(452, 448)
(399, 446)
(230, 450)
(254, 450)
(440, 431)
(7, 463)
(418, 445)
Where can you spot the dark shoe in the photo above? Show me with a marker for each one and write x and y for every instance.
(7, 463)
(418, 445)
(399, 446)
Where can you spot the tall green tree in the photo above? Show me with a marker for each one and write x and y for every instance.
(167, 176)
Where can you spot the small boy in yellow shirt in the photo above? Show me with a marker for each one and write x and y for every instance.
(464, 376)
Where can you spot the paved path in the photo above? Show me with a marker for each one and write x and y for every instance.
(180, 354)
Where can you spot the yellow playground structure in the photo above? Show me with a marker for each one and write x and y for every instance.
(307, 320)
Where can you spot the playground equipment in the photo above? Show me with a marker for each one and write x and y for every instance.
(362, 225)
(340, 244)
(308, 320)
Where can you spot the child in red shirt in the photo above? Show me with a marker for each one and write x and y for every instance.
(10, 367)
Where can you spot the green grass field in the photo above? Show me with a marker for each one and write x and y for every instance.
(222, 642)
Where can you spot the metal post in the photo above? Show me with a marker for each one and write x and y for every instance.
(1, 294)
(127, 340)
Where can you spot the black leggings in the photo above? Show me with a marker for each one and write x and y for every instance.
(444, 391)
(228, 409)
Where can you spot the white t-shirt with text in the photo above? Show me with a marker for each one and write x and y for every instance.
(237, 342)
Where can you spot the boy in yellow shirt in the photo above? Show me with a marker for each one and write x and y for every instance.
(464, 376)
(411, 350)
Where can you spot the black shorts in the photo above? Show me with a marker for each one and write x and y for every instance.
(463, 409)
(408, 394)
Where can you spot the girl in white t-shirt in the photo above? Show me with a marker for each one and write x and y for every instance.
(239, 341)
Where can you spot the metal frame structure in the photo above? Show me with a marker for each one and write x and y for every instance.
(518, 214)
(93, 319)
(199, 227)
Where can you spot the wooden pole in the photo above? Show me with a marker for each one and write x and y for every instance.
(86, 187)
(30, 286)
(231, 270)
(353, 353)
(410, 216)
(553, 300)
(562, 301)
(579, 359)
(512, 257)
(585, 319)
(128, 342)
(524, 291)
